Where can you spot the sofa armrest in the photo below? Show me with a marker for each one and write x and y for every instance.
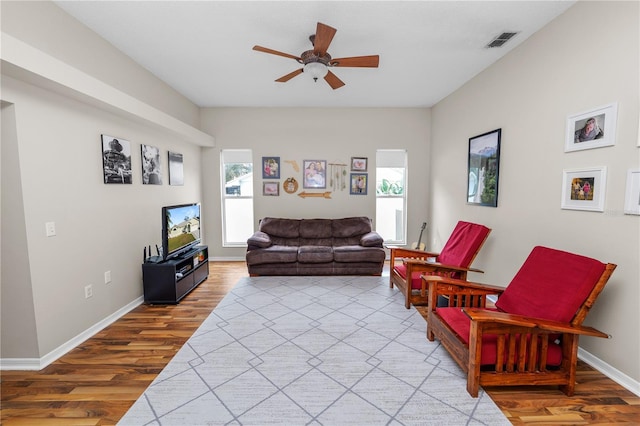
(371, 239)
(259, 240)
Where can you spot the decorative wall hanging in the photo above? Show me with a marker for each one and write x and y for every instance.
(176, 169)
(270, 167)
(151, 174)
(338, 176)
(271, 188)
(326, 194)
(116, 160)
(294, 164)
(290, 185)
(359, 164)
(358, 184)
(592, 129)
(584, 189)
(315, 174)
(632, 194)
(483, 167)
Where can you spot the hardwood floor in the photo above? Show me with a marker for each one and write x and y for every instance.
(97, 382)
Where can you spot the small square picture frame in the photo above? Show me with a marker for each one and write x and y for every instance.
(358, 183)
(595, 128)
(632, 193)
(271, 189)
(359, 164)
(584, 188)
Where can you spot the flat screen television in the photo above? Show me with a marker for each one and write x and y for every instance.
(180, 229)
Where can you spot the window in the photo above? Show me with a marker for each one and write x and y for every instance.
(391, 201)
(237, 196)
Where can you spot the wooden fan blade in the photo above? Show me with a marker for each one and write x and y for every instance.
(289, 76)
(275, 52)
(324, 35)
(370, 61)
(333, 80)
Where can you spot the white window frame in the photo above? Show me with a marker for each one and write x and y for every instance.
(235, 156)
(393, 158)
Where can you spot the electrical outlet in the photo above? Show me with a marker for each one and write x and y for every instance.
(50, 228)
(88, 291)
(107, 277)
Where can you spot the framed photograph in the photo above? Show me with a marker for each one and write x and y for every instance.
(116, 160)
(271, 188)
(358, 164)
(632, 194)
(315, 174)
(270, 167)
(359, 183)
(176, 169)
(584, 189)
(592, 129)
(151, 174)
(483, 167)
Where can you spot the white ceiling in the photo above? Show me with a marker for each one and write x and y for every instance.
(203, 49)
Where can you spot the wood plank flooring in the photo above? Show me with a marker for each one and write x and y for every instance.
(97, 382)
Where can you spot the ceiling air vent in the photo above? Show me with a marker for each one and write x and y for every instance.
(500, 40)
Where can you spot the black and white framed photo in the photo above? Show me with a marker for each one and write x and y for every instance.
(151, 173)
(116, 160)
(584, 189)
(483, 167)
(176, 169)
(595, 128)
(632, 193)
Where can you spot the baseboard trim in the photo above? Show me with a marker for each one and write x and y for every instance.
(227, 259)
(40, 363)
(614, 374)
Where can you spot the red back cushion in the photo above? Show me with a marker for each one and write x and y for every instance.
(463, 244)
(551, 284)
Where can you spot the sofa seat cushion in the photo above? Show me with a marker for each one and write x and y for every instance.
(315, 254)
(273, 254)
(461, 324)
(357, 253)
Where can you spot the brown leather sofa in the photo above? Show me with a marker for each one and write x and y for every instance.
(346, 246)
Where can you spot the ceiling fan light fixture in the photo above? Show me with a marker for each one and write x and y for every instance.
(316, 70)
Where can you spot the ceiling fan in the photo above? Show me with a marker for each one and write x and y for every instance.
(318, 61)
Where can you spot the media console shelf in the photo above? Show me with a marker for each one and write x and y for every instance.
(169, 281)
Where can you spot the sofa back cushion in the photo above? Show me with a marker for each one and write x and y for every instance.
(551, 284)
(315, 232)
(283, 232)
(349, 230)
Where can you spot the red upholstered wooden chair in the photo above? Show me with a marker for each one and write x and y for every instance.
(531, 335)
(454, 261)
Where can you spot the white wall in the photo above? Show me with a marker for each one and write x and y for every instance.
(99, 227)
(586, 58)
(52, 171)
(300, 134)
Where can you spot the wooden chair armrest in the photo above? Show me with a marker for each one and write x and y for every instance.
(483, 315)
(424, 266)
(398, 252)
(440, 282)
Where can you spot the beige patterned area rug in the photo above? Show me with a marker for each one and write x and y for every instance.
(312, 351)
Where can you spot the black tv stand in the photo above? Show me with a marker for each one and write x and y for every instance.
(167, 282)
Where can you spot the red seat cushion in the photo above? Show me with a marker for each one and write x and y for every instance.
(551, 284)
(416, 280)
(461, 324)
